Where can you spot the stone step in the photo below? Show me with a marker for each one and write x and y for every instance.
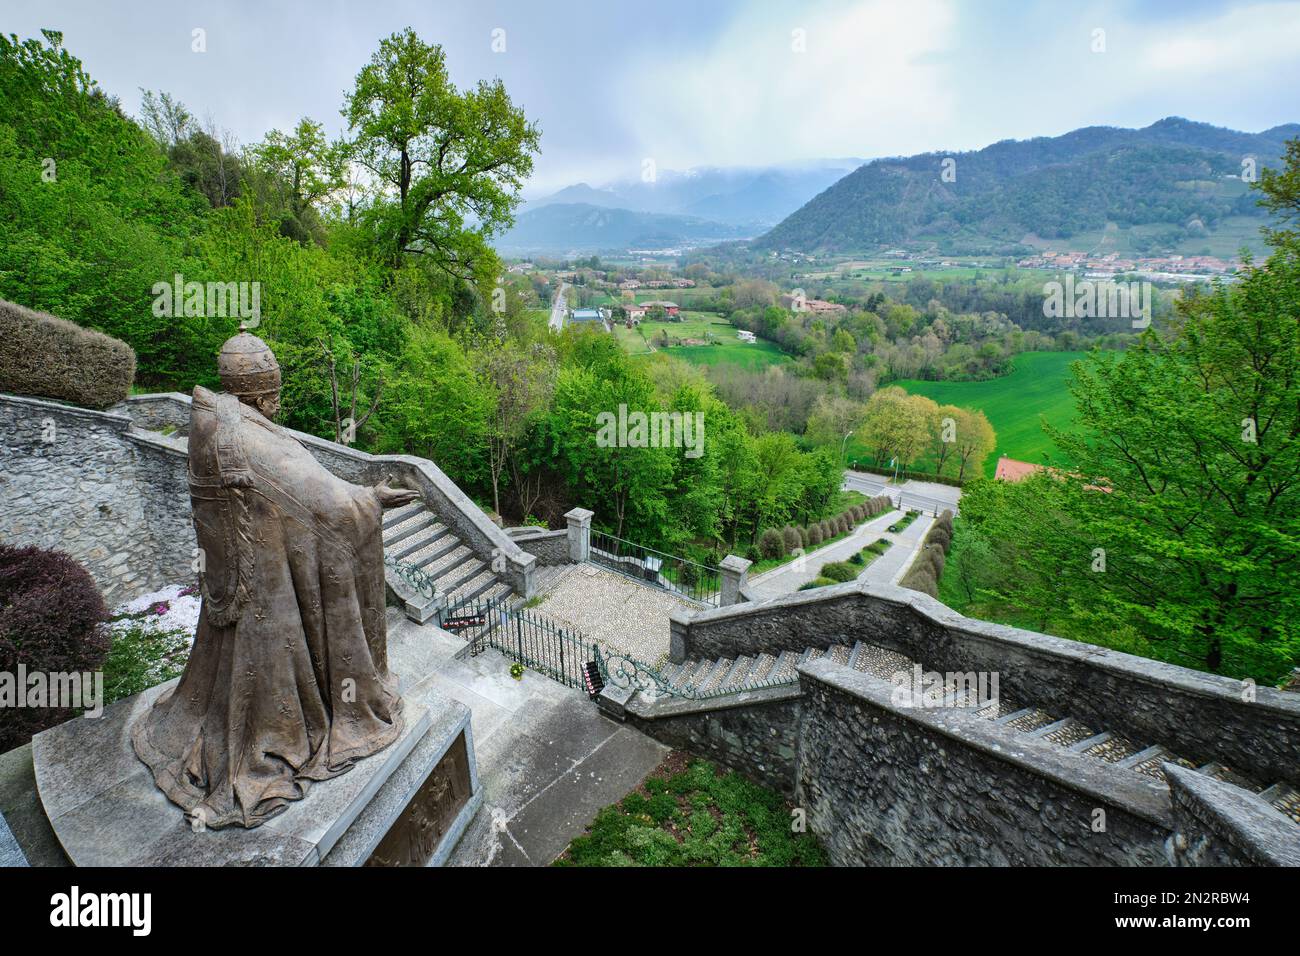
(414, 525)
(762, 669)
(1029, 719)
(474, 588)
(448, 560)
(880, 662)
(995, 710)
(397, 515)
(1112, 750)
(838, 654)
(784, 668)
(451, 580)
(435, 549)
(1285, 798)
(1220, 772)
(421, 541)
(713, 680)
(738, 673)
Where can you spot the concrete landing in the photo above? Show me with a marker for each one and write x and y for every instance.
(548, 761)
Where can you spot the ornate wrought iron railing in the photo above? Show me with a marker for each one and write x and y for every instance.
(688, 579)
(524, 637)
(413, 576)
(625, 671)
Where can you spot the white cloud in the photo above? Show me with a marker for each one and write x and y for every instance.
(1247, 39)
(870, 80)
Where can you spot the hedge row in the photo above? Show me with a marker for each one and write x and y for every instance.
(49, 357)
(779, 542)
(927, 566)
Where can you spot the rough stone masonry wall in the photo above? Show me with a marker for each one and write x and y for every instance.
(758, 740)
(1199, 716)
(117, 501)
(551, 548)
(885, 786)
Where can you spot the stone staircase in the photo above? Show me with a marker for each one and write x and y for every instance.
(416, 536)
(715, 678)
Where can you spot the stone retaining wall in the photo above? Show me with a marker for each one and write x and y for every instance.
(754, 732)
(1199, 716)
(87, 483)
(549, 547)
(885, 786)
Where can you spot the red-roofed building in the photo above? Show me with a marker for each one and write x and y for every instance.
(1009, 469)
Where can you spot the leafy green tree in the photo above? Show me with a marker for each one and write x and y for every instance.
(453, 162)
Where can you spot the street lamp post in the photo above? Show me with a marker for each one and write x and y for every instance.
(843, 443)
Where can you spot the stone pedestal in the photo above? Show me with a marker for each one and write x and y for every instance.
(406, 805)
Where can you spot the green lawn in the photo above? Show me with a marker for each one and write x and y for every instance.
(726, 348)
(688, 814)
(1016, 404)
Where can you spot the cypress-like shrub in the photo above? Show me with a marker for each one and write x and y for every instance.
(51, 620)
(921, 578)
(49, 357)
(790, 537)
(770, 543)
(803, 537)
(815, 536)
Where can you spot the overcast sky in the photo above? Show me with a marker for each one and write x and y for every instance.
(715, 82)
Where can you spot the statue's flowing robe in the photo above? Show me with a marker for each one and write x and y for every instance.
(288, 679)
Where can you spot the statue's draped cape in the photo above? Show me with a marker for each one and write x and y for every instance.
(288, 679)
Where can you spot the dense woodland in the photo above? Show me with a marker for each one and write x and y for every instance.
(373, 257)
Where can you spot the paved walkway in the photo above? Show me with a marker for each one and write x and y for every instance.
(887, 568)
(609, 608)
(547, 759)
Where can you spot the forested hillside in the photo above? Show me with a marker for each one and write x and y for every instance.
(1177, 174)
(373, 253)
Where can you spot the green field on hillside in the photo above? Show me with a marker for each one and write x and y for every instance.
(1015, 404)
(725, 349)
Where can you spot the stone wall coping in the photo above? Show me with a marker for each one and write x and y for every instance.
(579, 516)
(117, 419)
(1283, 703)
(660, 707)
(166, 444)
(1238, 816)
(1143, 797)
(532, 533)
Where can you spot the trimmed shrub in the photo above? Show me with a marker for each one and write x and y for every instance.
(934, 554)
(945, 521)
(770, 544)
(857, 559)
(839, 571)
(51, 620)
(939, 536)
(752, 554)
(803, 537)
(791, 538)
(815, 536)
(816, 583)
(921, 578)
(50, 357)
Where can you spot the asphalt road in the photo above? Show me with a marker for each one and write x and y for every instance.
(925, 496)
(557, 309)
